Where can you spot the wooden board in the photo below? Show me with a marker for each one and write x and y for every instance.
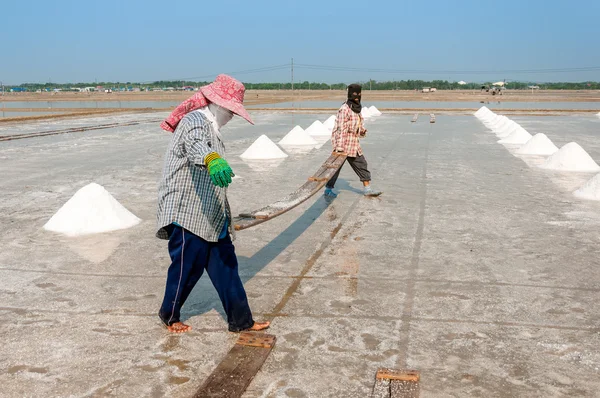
(308, 189)
(396, 383)
(235, 372)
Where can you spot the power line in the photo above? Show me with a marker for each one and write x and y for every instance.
(427, 71)
(241, 72)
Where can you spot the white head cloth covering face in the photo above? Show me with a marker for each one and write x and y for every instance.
(222, 115)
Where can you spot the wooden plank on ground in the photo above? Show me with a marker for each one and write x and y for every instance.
(308, 189)
(235, 372)
(396, 383)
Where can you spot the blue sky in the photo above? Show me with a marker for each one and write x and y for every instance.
(72, 41)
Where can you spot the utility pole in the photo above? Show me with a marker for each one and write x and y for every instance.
(293, 90)
(2, 84)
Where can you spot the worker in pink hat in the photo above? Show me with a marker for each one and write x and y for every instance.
(193, 210)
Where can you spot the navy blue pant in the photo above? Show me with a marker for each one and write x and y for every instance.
(190, 256)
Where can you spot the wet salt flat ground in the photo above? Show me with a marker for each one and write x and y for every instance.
(475, 267)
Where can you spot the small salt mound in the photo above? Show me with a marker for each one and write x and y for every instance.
(540, 144)
(263, 148)
(91, 210)
(508, 130)
(571, 157)
(491, 121)
(481, 111)
(329, 123)
(503, 123)
(365, 112)
(590, 190)
(317, 129)
(487, 116)
(374, 111)
(519, 136)
(297, 136)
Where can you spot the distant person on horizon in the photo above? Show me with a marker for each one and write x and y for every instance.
(193, 210)
(348, 129)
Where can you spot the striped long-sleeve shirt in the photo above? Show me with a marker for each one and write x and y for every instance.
(186, 195)
(347, 130)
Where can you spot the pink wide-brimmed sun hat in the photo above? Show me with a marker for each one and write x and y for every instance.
(227, 92)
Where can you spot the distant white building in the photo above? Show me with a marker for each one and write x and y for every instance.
(462, 83)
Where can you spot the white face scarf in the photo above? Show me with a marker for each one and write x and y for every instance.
(222, 115)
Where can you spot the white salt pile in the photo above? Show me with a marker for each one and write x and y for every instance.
(487, 116)
(519, 136)
(502, 124)
(374, 111)
(263, 148)
(329, 123)
(481, 112)
(540, 144)
(491, 121)
(590, 190)
(297, 137)
(317, 129)
(571, 157)
(365, 112)
(508, 130)
(91, 210)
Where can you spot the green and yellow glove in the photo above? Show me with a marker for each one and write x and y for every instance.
(218, 169)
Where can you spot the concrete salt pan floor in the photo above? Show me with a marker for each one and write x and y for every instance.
(473, 267)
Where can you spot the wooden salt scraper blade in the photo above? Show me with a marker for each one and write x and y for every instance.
(303, 193)
(235, 372)
(396, 383)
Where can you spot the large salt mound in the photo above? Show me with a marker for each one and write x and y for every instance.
(329, 123)
(263, 148)
(538, 145)
(297, 136)
(520, 136)
(317, 129)
(590, 190)
(374, 111)
(570, 157)
(91, 210)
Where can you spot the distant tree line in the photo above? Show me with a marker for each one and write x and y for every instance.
(306, 85)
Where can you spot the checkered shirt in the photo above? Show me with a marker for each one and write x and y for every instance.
(186, 194)
(346, 131)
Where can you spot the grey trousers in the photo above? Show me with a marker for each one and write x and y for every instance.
(359, 165)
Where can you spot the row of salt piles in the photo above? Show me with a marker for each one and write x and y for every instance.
(315, 135)
(571, 157)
